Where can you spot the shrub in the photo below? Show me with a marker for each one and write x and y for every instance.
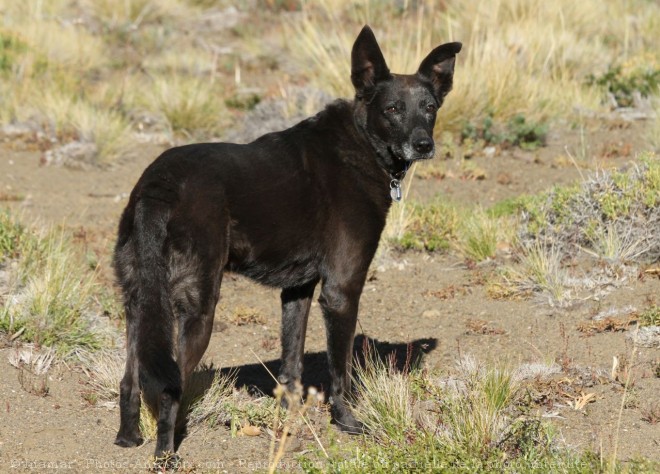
(608, 205)
(526, 134)
(639, 75)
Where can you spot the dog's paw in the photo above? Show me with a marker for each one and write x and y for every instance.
(347, 423)
(354, 427)
(128, 441)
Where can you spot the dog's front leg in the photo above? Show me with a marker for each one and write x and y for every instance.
(340, 308)
(295, 311)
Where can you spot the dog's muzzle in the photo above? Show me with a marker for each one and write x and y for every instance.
(423, 150)
(420, 146)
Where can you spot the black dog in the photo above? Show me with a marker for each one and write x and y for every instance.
(290, 210)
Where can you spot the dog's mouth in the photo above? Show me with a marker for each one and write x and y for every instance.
(407, 153)
(425, 156)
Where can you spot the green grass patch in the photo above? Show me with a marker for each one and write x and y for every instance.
(650, 316)
(11, 47)
(440, 226)
(50, 289)
(243, 101)
(513, 206)
(12, 236)
(611, 215)
(431, 227)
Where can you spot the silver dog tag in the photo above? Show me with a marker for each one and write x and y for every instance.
(395, 190)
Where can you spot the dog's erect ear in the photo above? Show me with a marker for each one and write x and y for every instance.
(367, 62)
(438, 67)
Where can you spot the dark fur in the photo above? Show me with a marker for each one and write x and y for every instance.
(290, 210)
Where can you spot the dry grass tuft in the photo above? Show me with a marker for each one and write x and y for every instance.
(189, 105)
(479, 326)
(33, 366)
(432, 227)
(541, 273)
(475, 412)
(478, 236)
(105, 370)
(651, 412)
(610, 324)
(385, 399)
(36, 361)
(211, 407)
(245, 315)
(148, 423)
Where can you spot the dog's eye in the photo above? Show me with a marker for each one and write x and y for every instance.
(390, 109)
(431, 108)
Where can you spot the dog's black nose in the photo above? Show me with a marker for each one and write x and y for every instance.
(423, 145)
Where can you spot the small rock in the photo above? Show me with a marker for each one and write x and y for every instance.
(20, 129)
(431, 313)
(250, 430)
(490, 151)
(219, 326)
(293, 445)
(504, 178)
(74, 155)
(647, 336)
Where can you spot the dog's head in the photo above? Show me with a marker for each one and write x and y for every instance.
(397, 112)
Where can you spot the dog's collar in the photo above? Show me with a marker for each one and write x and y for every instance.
(395, 183)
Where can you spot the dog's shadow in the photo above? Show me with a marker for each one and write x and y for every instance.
(258, 379)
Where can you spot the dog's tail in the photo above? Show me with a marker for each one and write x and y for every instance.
(155, 336)
(151, 312)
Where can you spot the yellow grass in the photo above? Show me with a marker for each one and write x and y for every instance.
(527, 56)
(188, 104)
(134, 13)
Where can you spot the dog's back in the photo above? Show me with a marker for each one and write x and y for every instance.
(287, 196)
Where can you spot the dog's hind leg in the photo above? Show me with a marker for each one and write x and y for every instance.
(129, 394)
(195, 275)
(196, 325)
(194, 333)
(129, 389)
(295, 311)
(195, 288)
